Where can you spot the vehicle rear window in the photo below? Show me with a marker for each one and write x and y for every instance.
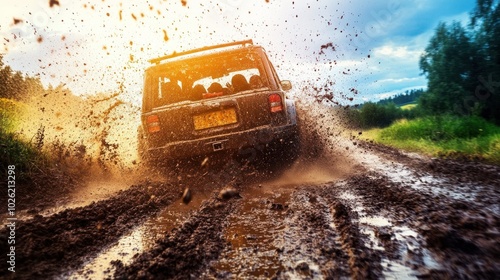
(202, 78)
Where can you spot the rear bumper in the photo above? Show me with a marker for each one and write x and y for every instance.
(259, 138)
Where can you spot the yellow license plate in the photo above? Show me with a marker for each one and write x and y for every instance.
(214, 119)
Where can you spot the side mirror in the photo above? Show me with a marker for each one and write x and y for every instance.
(286, 85)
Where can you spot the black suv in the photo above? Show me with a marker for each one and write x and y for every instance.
(214, 99)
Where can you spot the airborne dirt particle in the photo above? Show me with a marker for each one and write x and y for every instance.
(228, 193)
(327, 46)
(53, 3)
(186, 196)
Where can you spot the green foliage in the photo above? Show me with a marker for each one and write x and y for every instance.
(371, 115)
(462, 65)
(35, 158)
(409, 106)
(379, 115)
(23, 154)
(440, 128)
(446, 136)
(10, 114)
(13, 150)
(408, 96)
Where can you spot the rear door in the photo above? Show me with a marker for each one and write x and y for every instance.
(233, 95)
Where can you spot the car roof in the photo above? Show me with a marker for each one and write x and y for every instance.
(215, 50)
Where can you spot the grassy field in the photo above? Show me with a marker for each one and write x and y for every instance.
(409, 106)
(444, 136)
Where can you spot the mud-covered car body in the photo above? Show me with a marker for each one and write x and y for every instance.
(221, 98)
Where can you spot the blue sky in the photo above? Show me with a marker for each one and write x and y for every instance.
(85, 44)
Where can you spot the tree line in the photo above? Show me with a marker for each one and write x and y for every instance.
(462, 67)
(15, 85)
(408, 96)
(383, 112)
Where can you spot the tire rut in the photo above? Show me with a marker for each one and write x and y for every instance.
(185, 251)
(456, 232)
(307, 233)
(363, 262)
(44, 243)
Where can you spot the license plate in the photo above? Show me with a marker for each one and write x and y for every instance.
(214, 119)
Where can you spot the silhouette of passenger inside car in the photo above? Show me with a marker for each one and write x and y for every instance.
(239, 83)
(197, 92)
(170, 93)
(255, 82)
(215, 87)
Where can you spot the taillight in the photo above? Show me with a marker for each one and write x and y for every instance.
(275, 103)
(153, 123)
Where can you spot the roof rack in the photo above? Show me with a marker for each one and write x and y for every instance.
(159, 59)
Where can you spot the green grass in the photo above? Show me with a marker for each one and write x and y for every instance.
(14, 150)
(408, 106)
(32, 154)
(11, 113)
(443, 136)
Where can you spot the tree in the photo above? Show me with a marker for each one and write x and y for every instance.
(403, 98)
(450, 63)
(463, 66)
(14, 85)
(376, 115)
(5, 73)
(485, 21)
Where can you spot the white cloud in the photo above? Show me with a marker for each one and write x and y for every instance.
(397, 81)
(397, 51)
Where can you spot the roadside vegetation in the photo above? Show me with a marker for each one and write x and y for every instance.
(36, 166)
(458, 115)
(55, 138)
(24, 154)
(470, 138)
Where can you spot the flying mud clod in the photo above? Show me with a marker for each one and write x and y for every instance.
(186, 196)
(228, 193)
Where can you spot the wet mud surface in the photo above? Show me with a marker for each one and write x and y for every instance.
(375, 213)
(49, 245)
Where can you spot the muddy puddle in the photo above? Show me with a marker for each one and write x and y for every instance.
(288, 227)
(252, 229)
(418, 180)
(403, 255)
(140, 239)
(251, 232)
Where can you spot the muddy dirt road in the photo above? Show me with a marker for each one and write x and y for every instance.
(371, 213)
